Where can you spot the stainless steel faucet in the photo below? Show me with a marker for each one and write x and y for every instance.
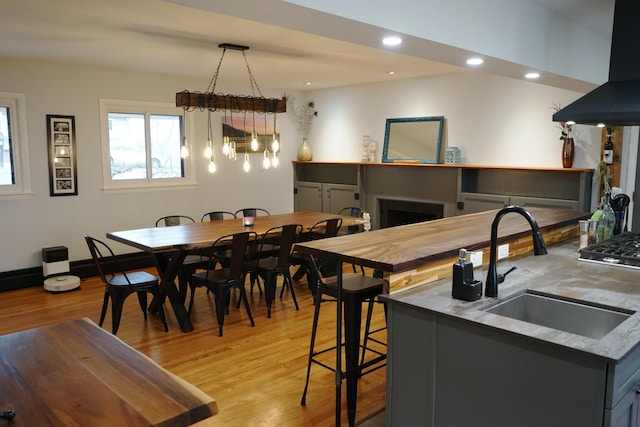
(539, 248)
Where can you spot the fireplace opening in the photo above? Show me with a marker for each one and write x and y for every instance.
(402, 212)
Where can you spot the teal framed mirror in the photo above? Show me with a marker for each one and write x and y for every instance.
(413, 139)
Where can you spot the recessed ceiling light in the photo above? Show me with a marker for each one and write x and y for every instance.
(475, 61)
(307, 83)
(532, 75)
(391, 73)
(600, 125)
(391, 41)
(571, 122)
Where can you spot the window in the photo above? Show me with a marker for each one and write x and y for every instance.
(141, 145)
(14, 161)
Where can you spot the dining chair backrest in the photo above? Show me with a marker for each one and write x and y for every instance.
(171, 220)
(324, 229)
(217, 216)
(354, 212)
(283, 236)
(252, 212)
(104, 259)
(351, 211)
(239, 243)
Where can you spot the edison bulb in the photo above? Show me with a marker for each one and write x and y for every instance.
(246, 166)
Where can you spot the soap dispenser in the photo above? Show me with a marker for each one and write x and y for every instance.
(465, 287)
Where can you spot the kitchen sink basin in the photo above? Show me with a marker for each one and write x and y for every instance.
(576, 317)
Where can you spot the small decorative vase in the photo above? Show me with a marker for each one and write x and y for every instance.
(568, 150)
(304, 151)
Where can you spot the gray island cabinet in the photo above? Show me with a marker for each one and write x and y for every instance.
(451, 363)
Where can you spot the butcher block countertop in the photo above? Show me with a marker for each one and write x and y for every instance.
(407, 247)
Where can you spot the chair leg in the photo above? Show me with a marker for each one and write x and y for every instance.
(269, 290)
(142, 299)
(163, 318)
(243, 297)
(254, 279)
(288, 282)
(314, 328)
(220, 297)
(105, 304)
(366, 329)
(193, 294)
(117, 301)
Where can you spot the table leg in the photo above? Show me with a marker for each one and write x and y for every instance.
(168, 272)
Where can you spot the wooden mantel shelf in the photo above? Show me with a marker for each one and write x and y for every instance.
(459, 166)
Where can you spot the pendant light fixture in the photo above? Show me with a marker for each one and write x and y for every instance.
(211, 101)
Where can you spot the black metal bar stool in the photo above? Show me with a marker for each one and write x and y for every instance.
(356, 290)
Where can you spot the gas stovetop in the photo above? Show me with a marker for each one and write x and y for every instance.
(622, 249)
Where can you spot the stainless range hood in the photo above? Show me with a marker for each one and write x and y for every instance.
(617, 102)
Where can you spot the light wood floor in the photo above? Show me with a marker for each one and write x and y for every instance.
(256, 375)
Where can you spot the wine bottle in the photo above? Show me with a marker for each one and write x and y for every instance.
(608, 151)
(607, 221)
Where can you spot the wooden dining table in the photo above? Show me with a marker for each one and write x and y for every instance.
(77, 374)
(169, 245)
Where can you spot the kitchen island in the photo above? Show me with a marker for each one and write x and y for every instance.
(452, 363)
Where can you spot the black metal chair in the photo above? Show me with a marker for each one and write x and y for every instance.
(352, 229)
(217, 216)
(320, 230)
(194, 260)
(120, 284)
(356, 290)
(355, 212)
(269, 267)
(252, 212)
(222, 280)
(171, 220)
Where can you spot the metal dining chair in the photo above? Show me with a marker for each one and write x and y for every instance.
(252, 212)
(221, 281)
(217, 216)
(354, 212)
(120, 284)
(320, 230)
(193, 261)
(269, 266)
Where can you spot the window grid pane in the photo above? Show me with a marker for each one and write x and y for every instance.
(127, 146)
(7, 167)
(165, 131)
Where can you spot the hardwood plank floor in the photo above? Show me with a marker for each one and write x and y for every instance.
(256, 374)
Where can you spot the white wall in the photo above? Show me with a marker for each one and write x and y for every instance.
(31, 223)
(494, 120)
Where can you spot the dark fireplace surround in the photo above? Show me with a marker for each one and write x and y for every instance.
(393, 212)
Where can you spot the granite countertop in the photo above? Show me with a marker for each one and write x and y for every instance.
(558, 273)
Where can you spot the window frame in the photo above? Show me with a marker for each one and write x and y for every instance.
(16, 102)
(147, 108)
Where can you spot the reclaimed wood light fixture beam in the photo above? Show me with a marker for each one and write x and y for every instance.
(209, 100)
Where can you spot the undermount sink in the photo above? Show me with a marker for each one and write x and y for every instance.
(578, 318)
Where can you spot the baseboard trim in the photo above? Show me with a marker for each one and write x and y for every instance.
(30, 277)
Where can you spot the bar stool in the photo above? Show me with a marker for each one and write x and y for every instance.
(356, 290)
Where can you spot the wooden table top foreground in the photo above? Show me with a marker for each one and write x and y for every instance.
(404, 247)
(203, 234)
(75, 373)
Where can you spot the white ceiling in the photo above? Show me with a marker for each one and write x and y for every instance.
(169, 37)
